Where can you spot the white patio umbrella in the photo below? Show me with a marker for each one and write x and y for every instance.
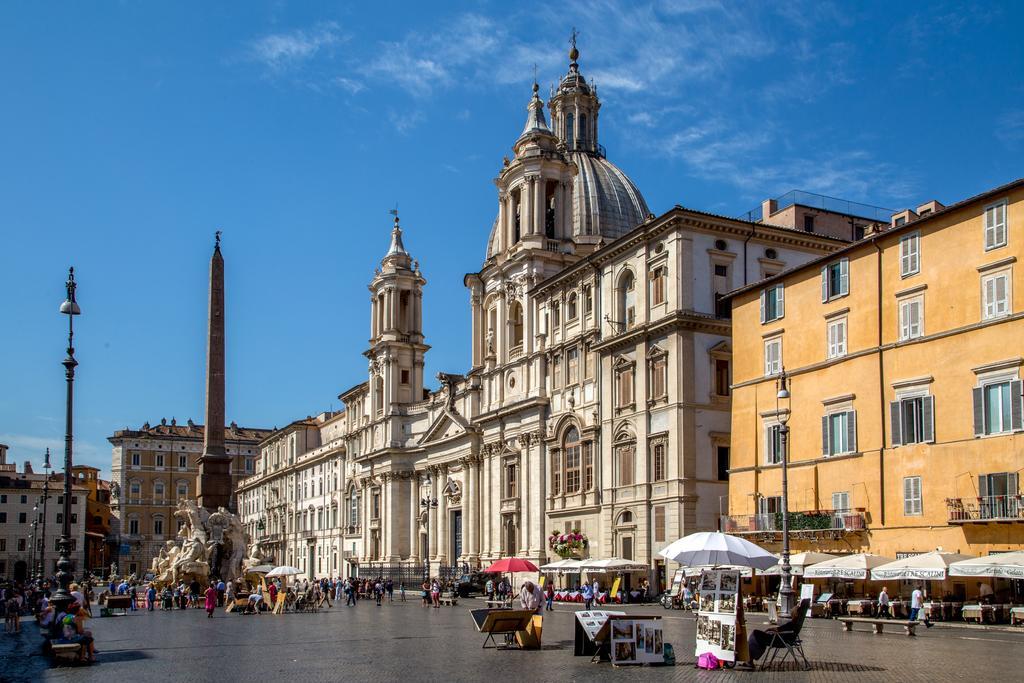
(612, 564)
(561, 567)
(283, 570)
(260, 569)
(715, 549)
(999, 565)
(846, 567)
(931, 566)
(799, 563)
(745, 572)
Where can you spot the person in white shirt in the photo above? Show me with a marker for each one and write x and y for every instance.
(883, 604)
(531, 597)
(917, 606)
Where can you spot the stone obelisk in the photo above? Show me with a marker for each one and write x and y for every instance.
(215, 463)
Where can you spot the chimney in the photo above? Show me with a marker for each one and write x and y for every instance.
(28, 467)
(3, 454)
(768, 207)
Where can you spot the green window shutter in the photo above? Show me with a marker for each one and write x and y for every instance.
(979, 410)
(824, 435)
(764, 313)
(897, 430)
(824, 284)
(983, 485)
(1016, 417)
(851, 431)
(844, 276)
(780, 302)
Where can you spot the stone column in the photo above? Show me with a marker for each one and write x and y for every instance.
(502, 219)
(476, 306)
(215, 489)
(442, 518)
(414, 514)
(469, 506)
(385, 516)
(540, 211)
(432, 523)
(526, 208)
(559, 209)
(536, 500)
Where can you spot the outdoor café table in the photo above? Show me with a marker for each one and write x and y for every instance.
(933, 610)
(836, 607)
(898, 608)
(865, 607)
(977, 613)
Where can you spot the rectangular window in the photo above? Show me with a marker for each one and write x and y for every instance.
(772, 356)
(21, 545)
(659, 464)
(912, 496)
(910, 254)
(588, 300)
(625, 388)
(841, 501)
(995, 296)
(659, 523)
(572, 366)
(136, 459)
(3, 517)
(159, 459)
(772, 444)
(997, 408)
(911, 318)
(158, 527)
(835, 280)
(839, 433)
(3, 545)
(588, 466)
(510, 480)
(182, 462)
(808, 223)
(913, 420)
(773, 303)
(658, 286)
(405, 377)
(626, 454)
(659, 377)
(572, 469)
(722, 453)
(23, 518)
(995, 225)
(769, 505)
(133, 527)
(722, 377)
(836, 338)
(556, 472)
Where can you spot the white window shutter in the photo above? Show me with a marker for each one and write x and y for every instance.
(780, 302)
(764, 316)
(1016, 417)
(990, 220)
(897, 427)
(983, 485)
(824, 435)
(1011, 484)
(928, 419)
(979, 410)
(908, 495)
(824, 284)
(851, 430)
(844, 276)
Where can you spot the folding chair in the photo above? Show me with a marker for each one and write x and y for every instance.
(787, 638)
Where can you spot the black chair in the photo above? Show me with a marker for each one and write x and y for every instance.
(786, 639)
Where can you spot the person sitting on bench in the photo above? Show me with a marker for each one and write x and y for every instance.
(73, 631)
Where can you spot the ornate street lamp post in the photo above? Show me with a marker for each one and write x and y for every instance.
(782, 414)
(62, 597)
(427, 503)
(46, 497)
(32, 550)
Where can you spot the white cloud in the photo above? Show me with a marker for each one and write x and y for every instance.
(1010, 127)
(280, 51)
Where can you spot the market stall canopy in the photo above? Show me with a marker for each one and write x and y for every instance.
(998, 565)
(799, 563)
(283, 570)
(613, 564)
(745, 572)
(561, 567)
(713, 548)
(846, 567)
(512, 565)
(927, 566)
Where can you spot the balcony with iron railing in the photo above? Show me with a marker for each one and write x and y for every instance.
(808, 523)
(985, 509)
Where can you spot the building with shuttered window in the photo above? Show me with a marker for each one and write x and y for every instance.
(904, 362)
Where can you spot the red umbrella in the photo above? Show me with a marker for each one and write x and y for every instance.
(512, 565)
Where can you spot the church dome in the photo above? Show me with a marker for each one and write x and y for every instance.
(605, 202)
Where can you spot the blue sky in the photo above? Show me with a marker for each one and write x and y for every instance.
(130, 131)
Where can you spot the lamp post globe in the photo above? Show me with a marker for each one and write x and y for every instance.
(62, 597)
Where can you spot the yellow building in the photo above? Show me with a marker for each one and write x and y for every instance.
(904, 356)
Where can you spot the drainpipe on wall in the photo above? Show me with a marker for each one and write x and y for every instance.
(881, 384)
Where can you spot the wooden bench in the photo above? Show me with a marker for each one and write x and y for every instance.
(448, 598)
(67, 651)
(878, 624)
(121, 602)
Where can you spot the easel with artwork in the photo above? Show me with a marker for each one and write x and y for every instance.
(716, 616)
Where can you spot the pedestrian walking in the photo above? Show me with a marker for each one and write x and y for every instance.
(550, 596)
(211, 600)
(489, 589)
(389, 588)
(221, 592)
(588, 596)
(339, 589)
(917, 607)
(883, 604)
(435, 593)
(378, 591)
(150, 597)
(425, 592)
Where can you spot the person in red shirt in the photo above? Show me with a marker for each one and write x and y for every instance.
(211, 600)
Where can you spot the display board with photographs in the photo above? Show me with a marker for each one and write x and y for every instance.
(592, 621)
(716, 616)
(638, 640)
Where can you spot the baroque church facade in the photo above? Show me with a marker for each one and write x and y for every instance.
(597, 397)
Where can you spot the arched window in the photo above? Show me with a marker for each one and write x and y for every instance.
(571, 445)
(627, 301)
(378, 386)
(158, 490)
(353, 508)
(570, 123)
(515, 323)
(625, 517)
(584, 135)
(571, 307)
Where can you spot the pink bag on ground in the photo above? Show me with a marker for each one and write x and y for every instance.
(707, 661)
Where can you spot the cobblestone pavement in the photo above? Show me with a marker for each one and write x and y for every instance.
(412, 643)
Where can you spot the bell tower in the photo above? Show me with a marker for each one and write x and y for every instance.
(396, 329)
(574, 106)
